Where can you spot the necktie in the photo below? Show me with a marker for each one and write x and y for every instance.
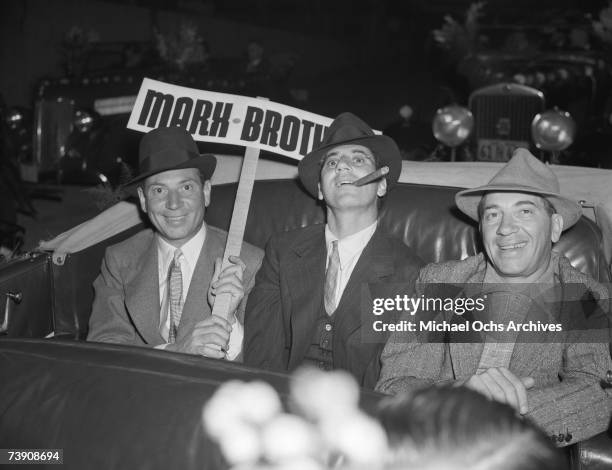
(175, 290)
(331, 279)
(498, 348)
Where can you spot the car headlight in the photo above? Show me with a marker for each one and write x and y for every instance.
(553, 130)
(84, 120)
(15, 118)
(452, 125)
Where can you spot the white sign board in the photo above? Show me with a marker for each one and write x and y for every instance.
(228, 119)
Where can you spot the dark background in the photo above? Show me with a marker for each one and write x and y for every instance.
(367, 56)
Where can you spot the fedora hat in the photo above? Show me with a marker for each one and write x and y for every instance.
(349, 129)
(170, 148)
(524, 173)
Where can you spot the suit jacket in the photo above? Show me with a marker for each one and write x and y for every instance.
(126, 306)
(567, 399)
(287, 301)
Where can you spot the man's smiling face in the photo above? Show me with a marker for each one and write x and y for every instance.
(518, 231)
(175, 202)
(343, 165)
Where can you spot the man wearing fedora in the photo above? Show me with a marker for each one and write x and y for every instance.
(156, 288)
(554, 378)
(305, 307)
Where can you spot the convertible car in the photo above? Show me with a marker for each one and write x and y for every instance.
(118, 407)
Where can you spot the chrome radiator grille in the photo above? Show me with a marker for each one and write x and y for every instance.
(502, 119)
(505, 117)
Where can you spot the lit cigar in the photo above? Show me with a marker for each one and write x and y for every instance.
(372, 176)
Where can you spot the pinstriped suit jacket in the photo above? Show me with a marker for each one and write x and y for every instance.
(126, 302)
(567, 397)
(287, 301)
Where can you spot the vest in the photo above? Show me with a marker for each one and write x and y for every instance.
(320, 353)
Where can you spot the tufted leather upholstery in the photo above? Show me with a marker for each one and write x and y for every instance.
(425, 217)
(115, 407)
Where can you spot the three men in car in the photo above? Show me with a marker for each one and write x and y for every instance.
(305, 304)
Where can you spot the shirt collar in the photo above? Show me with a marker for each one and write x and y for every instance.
(349, 246)
(550, 276)
(191, 249)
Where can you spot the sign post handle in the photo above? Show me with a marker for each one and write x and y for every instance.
(238, 223)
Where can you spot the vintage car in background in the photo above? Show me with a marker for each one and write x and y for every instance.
(542, 82)
(76, 132)
(562, 115)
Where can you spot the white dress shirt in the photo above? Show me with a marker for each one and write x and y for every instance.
(349, 250)
(191, 252)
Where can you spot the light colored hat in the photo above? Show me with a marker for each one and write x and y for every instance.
(524, 173)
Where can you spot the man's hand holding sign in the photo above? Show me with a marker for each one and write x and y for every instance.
(226, 300)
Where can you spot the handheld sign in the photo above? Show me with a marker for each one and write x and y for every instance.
(228, 119)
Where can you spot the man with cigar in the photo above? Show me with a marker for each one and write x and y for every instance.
(557, 379)
(156, 288)
(305, 307)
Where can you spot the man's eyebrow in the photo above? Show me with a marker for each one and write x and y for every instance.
(516, 204)
(183, 181)
(523, 202)
(362, 152)
(490, 206)
(334, 153)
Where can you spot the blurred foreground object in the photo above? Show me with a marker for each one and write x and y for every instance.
(328, 430)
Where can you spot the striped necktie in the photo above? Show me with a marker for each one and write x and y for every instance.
(175, 291)
(331, 279)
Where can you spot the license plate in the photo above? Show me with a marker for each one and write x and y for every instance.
(498, 150)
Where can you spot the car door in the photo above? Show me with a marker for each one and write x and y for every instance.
(26, 297)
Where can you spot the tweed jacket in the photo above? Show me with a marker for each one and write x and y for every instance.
(287, 301)
(126, 307)
(567, 399)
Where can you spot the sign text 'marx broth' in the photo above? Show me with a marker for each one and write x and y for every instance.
(272, 128)
(208, 118)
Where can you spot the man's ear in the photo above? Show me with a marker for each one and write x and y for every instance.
(556, 221)
(206, 187)
(142, 199)
(319, 191)
(382, 187)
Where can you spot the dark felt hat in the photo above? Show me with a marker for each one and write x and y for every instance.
(349, 129)
(524, 173)
(171, 148)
